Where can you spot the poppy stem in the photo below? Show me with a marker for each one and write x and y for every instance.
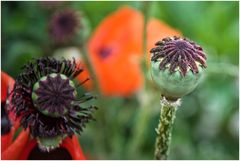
(164, 129)
(89, 66)
(146, 12)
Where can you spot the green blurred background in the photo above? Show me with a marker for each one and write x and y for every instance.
(207, 123)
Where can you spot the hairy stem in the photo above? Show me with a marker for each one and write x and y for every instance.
(164, 129)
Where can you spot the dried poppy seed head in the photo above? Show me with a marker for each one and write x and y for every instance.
(177, 65)
(64, 25)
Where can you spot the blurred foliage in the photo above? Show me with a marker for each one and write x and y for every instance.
(206, 126)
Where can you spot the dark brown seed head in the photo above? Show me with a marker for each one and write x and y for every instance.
(64, 25)
(181, 53)
(53, 94)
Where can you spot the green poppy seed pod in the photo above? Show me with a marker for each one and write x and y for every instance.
(177, 64)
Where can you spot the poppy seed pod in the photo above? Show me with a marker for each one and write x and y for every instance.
(64, 25)
(46, 101)
(177, 65)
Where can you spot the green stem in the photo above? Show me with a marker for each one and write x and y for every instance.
(146, 17)
(87, 62)
(164, 129)
(146, 12)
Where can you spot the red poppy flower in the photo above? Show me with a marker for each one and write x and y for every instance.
(24, 148)
(7, 129)
(116, 48)
(9, 124)
(113, 50)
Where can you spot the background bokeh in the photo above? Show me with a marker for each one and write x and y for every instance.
(206, 126)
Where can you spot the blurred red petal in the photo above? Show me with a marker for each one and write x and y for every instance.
(113, 49)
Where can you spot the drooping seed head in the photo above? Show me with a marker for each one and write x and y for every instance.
(177, 65)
